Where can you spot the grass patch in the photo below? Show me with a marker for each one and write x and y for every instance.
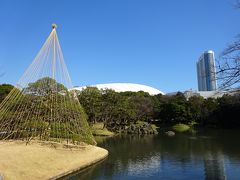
(98, 125)
(154, 126)
(181, 127)
(21, 162)
(98, 130)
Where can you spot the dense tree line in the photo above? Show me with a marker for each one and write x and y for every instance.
(118, 110)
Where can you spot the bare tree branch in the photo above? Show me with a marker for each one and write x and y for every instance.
(237, 4)
(228, 68)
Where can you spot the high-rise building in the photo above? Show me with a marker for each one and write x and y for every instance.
(206, 72)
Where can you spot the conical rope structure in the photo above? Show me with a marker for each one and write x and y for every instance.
(41, 105)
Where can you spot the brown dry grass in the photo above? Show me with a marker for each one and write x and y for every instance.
(38, 161)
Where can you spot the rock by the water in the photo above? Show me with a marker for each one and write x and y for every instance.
(141, 127)
(170, 133)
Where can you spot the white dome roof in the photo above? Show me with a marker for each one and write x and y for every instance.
(123, 87)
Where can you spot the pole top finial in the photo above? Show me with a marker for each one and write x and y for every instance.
(54, 26)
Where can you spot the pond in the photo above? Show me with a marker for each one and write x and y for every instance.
(208, 154)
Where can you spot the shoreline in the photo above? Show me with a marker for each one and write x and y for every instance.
(37, 161)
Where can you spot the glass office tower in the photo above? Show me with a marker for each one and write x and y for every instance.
(206, 72)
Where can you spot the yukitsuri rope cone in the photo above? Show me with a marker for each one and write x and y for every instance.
(41, 106)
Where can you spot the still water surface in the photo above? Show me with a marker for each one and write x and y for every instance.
(211, 155)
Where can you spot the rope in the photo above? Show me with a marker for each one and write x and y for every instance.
(41, 105)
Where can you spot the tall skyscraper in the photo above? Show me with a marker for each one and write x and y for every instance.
(206, 72)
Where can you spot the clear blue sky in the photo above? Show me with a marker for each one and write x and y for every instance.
(151, 42)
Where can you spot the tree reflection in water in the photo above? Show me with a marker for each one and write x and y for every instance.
(207, 155)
